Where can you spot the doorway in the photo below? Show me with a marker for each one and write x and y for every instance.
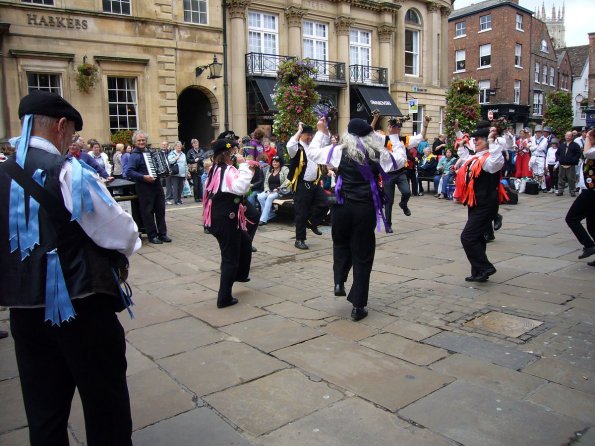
(195, 118)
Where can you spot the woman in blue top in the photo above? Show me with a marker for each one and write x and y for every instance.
(444, 173)
(176, 156)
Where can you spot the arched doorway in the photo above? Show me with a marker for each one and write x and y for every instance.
(195, 117)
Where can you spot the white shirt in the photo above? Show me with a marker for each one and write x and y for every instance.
(495, 160)
(108, 226)
(538, 146)
(580, 141)
(319, 149)
(236, 181)
(551, 155)
(311, 172)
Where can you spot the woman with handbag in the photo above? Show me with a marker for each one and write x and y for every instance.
(179, 168)
(275, 179)
(224, 216)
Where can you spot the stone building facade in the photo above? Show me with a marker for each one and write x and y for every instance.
(153, 57)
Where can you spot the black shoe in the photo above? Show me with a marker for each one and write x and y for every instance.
(262, 223)
(497, 222)
(253, 248)
(165, 239)
(247, 279)
(406, 210)
(314, 228)
(389, 230)
(155, 241)
(490, 271)
(233, 301)
(587, 252)
(206, 230)
(299, 244)
(480, 277)
(340, 289)
(3, 334)
(591, 263)
(489, 237)
(357, 314)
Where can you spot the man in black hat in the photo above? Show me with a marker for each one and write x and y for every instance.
(58, 280)
(481, 197)
(310, 202)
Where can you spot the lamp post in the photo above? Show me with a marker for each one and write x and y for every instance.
(214, 67)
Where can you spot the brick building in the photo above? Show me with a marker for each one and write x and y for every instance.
(511, 55)
(590, 112)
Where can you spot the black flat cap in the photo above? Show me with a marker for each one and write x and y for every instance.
(483, 129)
(359, 127)
(228, 134)
(40, 102)
(308, 129)
(221, 145)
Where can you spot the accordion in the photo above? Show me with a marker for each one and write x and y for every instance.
(157, 164)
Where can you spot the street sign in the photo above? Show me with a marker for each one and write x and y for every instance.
(412, 106)
(491, 115)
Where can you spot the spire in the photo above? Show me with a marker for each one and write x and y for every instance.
(543, 11)
(553, 12)
(563, 10)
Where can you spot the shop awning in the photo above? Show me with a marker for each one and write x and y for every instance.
(266, 90)
(377, 98)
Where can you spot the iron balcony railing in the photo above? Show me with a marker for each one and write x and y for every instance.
(366, 75)
(262, 64)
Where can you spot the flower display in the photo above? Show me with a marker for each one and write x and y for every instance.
(462, 104)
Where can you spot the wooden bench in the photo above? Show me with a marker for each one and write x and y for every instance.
(429, 181)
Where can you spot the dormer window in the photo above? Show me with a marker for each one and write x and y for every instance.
(544, 46)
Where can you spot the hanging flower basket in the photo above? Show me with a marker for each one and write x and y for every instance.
(86, 77)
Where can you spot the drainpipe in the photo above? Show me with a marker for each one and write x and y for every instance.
(225, 84)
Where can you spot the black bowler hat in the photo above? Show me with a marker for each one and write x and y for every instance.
(307, 129)
(483, 129)
(221, 145)
(228, 134)
(40, 102)
(359, 127)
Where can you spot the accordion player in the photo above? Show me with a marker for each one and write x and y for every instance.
(157, 164)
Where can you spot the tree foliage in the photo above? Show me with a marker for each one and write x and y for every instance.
(461, 104)
(295, 97)
(558, 114)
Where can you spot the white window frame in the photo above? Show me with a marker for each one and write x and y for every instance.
(461, 31)
(40, 2)
(417, 119)
(263, 32)
(482, 49)
(544, 48)
(552, 76)
(194, 8)
(485, 23)
(441, 128)
(458, 58)
(415, 52)
(518, 54)
(519, 22)
(537, 73)
(484, 91)
(48, 87)
(544, 74)
(319, 44)
(538, 103)
(360, 51)
(582, 112)
(517, 92)
(118, 102)
(121, 3)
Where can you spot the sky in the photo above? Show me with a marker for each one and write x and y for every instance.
(578, 20)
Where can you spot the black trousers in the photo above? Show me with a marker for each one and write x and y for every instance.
(354, 244)
(151, 203)
(401, 181)
(177, 187)
(196, 185)
(310, 204)
(583, 208)
(87, 353)
(472, 237)
(253, 215)
(412, 177)
(236, 256)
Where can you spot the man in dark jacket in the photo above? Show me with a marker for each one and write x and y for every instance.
(60, 287)
(151, 199)
(568, 155)
(195, 158)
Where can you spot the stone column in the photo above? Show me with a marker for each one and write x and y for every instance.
(342, 26)
(385, 34)
(431, 62)
(294, 16)
(444, 76)
(399, 47)
(237, 65)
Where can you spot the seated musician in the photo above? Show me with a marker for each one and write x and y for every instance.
(151, 199)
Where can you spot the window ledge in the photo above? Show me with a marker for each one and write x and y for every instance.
(521, 30)
(484, 31)
(460, 71)
(412, 75)
(484, 67)
(518, 66)
(460, 37)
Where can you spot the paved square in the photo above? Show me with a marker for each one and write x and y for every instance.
(504, 324)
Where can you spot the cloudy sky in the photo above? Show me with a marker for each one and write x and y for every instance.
(579, 16)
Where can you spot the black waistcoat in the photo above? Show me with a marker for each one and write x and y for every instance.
(295, 162)
(86, 266)
(486, 188)
(355, 187)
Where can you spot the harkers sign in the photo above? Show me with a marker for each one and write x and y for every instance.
(53, 21)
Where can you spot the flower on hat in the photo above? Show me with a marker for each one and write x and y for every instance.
(228, 145)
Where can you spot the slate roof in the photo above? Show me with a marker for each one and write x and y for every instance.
(483, 6)
(579, 55)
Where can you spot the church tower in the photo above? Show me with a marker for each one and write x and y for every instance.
(555, 24)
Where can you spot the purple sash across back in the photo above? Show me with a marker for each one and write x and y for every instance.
(339, 180)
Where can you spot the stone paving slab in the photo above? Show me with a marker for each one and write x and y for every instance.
(187, 333)
(474, 415)
(148, 310)
(566, 401)
(347, 330)
(293, 310)
(481, 349)
(8, 365)
(537, 307)
(219, 366)
(219, 317)
(561, 285)
(411, 330)
(380, 378)
(500, 379)
(588, 438)
(271, 332)
(136, 361)
(268, 403)
(197, 426)
(12, 409)
(405, 349)
(563, 373)
(19, 437)
(185, 294)
(351, 422)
